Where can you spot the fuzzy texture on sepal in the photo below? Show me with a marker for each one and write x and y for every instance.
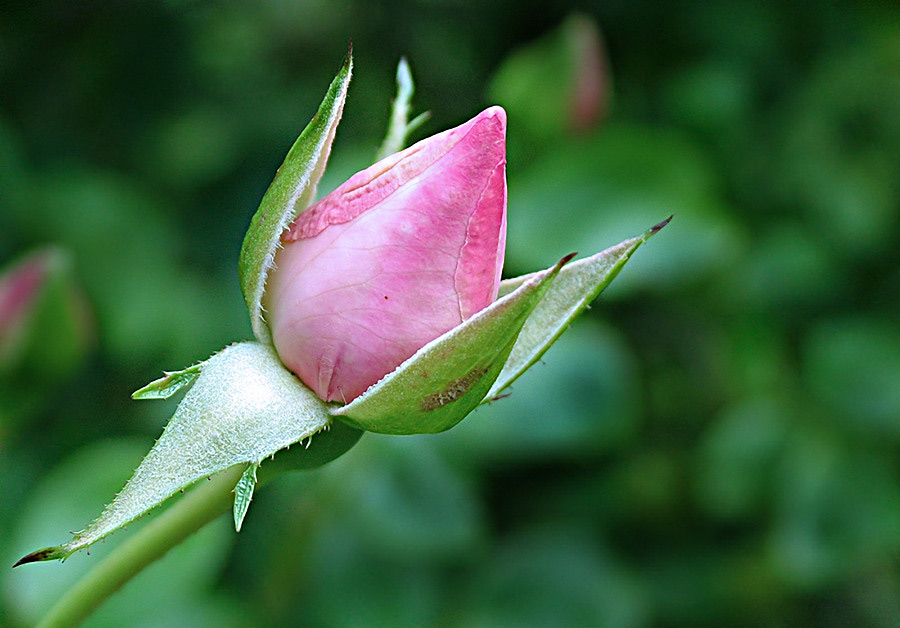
(290, 192)
(243, 407)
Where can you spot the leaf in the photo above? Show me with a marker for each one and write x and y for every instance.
(571, 292)
(446, 379)
(171, 383)
(291, 191)
(243, 494)
(244, 407)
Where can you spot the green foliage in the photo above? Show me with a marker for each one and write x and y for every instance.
(715, 443)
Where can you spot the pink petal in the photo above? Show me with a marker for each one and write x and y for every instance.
(396, 256)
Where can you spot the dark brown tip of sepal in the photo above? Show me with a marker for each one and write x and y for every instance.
(659, 226)
(568, 258)
(48, 553)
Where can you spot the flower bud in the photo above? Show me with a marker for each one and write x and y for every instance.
(19, 289)
(399, 254)
(45, 328)
(559, 85)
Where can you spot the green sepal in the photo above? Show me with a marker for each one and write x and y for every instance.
(446, 379)
(169, 384)
(243, 494)
(48, 553)
(400, 126)
(291, 191)
(329, 444)
(244, 407)
(571, 292)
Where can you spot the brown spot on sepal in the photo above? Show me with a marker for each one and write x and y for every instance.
(454, 390)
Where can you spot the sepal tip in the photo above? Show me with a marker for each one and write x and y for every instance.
(48, 553)
(658, 227)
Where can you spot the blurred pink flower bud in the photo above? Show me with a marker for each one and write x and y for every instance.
(45, 327)
(396, 256)
(19, 289)
(591, 86)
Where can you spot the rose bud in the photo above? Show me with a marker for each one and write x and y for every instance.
(399, 254)
(383, 295)
(19, 288)
(557, 86)
(45, 327)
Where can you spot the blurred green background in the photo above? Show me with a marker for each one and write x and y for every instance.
(717, 442)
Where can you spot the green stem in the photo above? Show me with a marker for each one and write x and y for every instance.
(200, 506)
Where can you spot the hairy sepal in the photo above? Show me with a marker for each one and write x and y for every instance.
(446, 379)
(292, 190)
(571, 292)
(243, 407)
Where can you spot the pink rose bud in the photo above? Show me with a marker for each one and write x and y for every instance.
(396, 256)
(19, 289)
(45, 325)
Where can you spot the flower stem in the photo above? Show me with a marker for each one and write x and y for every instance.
(200, 506)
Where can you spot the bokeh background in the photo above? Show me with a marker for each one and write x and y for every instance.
(717, 442)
